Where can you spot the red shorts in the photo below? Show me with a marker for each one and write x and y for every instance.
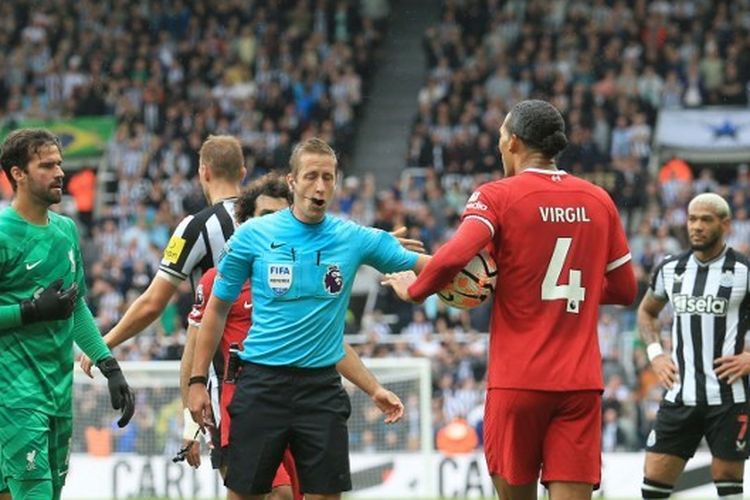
(227, 394)
(557, 432)
(286, 472)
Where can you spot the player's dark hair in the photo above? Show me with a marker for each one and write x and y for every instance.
(272, 185)
(539, 125)
(20, 145)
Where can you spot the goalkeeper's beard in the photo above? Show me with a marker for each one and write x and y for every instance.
(50, 194)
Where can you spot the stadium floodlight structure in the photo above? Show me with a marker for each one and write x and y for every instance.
(108, 462)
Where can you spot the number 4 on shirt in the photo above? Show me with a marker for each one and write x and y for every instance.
(573, 292)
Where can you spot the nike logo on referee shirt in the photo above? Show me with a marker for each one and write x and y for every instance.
(29, 267)
(276, 245)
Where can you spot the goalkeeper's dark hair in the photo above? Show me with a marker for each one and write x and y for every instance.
(21, 145)
(539, 125)
(272, 185)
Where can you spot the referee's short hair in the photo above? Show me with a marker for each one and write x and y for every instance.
(313, 145)
(21, 145)
(223, 153)
(272, 185)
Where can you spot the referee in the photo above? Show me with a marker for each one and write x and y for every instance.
(706, 373)
(301, 263)
(197, 242)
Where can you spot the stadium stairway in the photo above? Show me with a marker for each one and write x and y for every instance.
(391, 104)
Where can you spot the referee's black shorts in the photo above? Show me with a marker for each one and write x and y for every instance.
(276, 407)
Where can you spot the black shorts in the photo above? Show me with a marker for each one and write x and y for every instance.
(679, 429)
(276, 407)
(218, 452)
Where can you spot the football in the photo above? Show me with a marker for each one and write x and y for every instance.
(473, 284)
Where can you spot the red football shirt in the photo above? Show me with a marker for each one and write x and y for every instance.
(554, 238)
(237, 325)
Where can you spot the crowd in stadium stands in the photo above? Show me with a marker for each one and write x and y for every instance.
(272, 73)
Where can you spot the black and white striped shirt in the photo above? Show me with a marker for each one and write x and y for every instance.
(711, 303)
(197, 243)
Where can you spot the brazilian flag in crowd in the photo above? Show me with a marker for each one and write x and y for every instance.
(81, 137)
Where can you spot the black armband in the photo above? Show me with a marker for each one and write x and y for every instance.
(198, 379)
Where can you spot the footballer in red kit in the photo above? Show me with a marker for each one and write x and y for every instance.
(560, 251)
(554, 236)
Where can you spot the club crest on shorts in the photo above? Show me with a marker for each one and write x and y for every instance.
(279, 278)
(333, 281)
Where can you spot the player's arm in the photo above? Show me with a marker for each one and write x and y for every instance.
(650, 331)
(190, 428)
(472, 235)
(141, 313)
(206, 343)
(52, 304)
(352, 368)
(86, 335)
(183, 252)
(733, 367)
(144, 311)
(194, 318)
(620, 286)
(233, 271)
(186, 362)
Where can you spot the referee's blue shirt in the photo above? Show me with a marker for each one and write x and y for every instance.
(302, 277)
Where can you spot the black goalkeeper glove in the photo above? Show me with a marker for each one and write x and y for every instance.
(119, 391)
(52, 304)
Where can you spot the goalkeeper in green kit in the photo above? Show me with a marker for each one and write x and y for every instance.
(42, 312)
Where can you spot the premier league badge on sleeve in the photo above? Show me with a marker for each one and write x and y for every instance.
(333, 281)
(279, 278)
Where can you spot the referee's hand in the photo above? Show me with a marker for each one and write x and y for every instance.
(665, 370)
(193, 455)
(199, 404)
(389, 404)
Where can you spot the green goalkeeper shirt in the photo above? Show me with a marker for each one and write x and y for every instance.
(36, 360)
